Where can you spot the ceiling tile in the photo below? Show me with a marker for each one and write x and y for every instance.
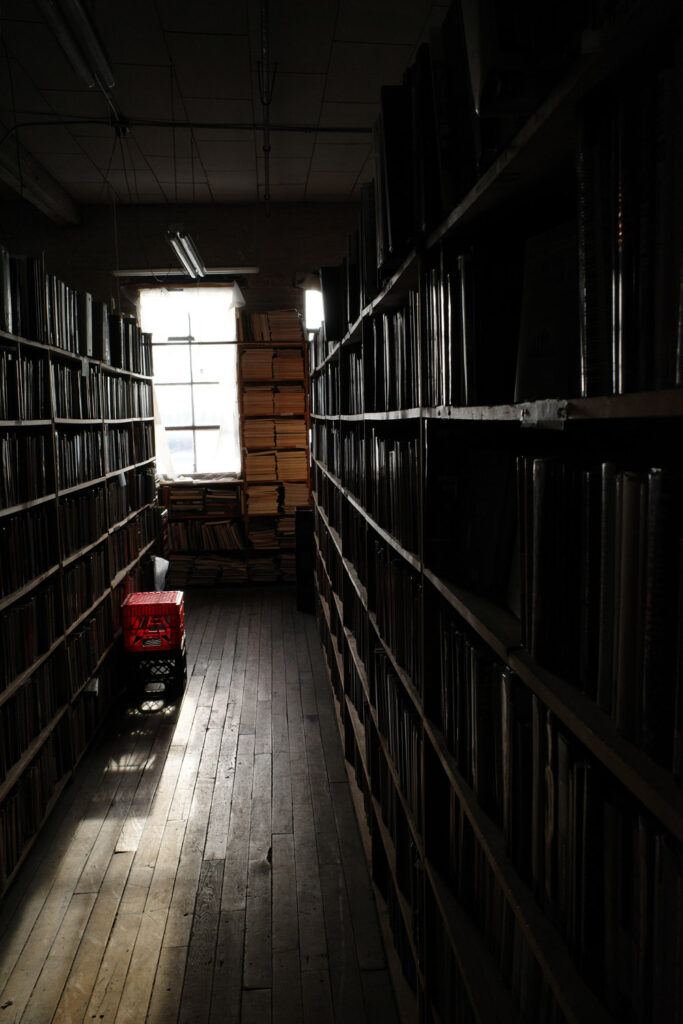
(289, 144)
(203, 16)
(335, 157)
(162, 141)
(299, 40)
(286, 193)
(358, 71)
(382, 21)
(284, 171)
(330, 183)
(78, 104)
(217, 111)
(229, 156)
(349, 115)
(130, 32)
(35, 48)
(186, 193)
(144, 91)
(48, 139)
(296, 99)
(215, 66)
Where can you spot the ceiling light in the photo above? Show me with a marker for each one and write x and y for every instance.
(184, 248)
(76, 36)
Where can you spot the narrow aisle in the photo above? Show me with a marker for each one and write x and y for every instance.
(205, 864)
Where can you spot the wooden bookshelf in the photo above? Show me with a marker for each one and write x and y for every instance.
(274, 426)
(545, 771)
(58, 678)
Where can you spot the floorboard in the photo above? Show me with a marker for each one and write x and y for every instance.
(204, 866)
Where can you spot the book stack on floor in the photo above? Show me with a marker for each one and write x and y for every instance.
(274, 435)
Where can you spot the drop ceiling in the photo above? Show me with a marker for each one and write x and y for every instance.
(188, 101)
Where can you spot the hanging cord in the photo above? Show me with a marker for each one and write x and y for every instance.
(266, 78)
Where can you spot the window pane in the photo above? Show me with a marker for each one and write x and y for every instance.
(171, 363)
(214, 318)
(206, 442)
(208, 404)
(175, 404)
(182, 450)
(212, 362)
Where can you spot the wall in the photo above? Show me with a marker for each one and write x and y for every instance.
(284, 240)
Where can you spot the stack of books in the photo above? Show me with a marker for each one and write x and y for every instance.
(257, 364)
(260, 466)
(290, 400)
(258, 433)
(263, 501)
(292, 465)
(294, 494)
(257, 400)
(291, 433)
(288, 365)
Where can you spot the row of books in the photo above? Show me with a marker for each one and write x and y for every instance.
(124, 397)
(354, 534)
(590, 854)
(267, 432)
(324, 390)
(196, 498)
(84, 581)
(352, 469)
(401, 729)
(270, 499)
(24, 393)
(392, 359)
(143, 441)
(211, 535)
(28, 711)
(326, 446)
(266, 533)
(38, 306)
(23, 810)
(118, 447)
(127, 492)
(28, 628)
(80, 456)
(76, 391)
(216, 570)
(612, 537)
(283, 464)
(91, 708)
(86, 645)
(26, 467)
(82, 519)
(269, 400)
(393, 483)
(274, 325)
(396, 598)
(279, 364)
(27, 547)
(351, 394)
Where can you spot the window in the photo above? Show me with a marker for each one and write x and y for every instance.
(195, 378)
(314, 309)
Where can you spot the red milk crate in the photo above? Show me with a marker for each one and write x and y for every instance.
(153, 621)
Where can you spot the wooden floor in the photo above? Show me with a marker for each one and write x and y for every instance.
(205, 864)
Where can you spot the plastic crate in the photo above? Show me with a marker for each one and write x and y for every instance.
(153, 621)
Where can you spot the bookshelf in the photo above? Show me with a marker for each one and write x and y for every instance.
(495, 475)
(206, 538)
(77, 495)
(274, 429)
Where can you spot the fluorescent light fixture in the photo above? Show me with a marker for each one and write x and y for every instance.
(184, 248)
(172, 272)
(77, 38)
